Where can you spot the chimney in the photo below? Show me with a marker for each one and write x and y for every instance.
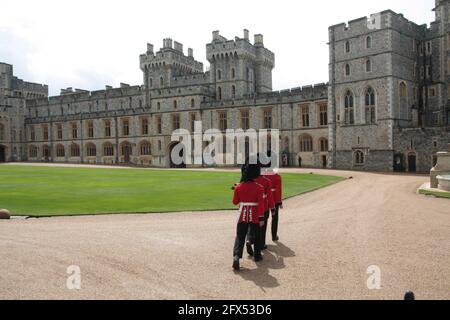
(149, 48)
(190, 53)
(246, 34)
(178, 46)
(259, 40)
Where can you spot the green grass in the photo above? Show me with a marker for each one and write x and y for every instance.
(48, 191)
(435, 193)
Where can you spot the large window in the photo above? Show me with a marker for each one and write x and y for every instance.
(107, 128)
(32, 134)
(175, 121)
(323, 115)
(323, 145)
(306, 144)
(45, 132)
(223, 123)
(268, 119)
(245, 120)
(348, 108)
(60, 151)
(144, 126)
(74, 150)
(59, 131)
(145, 148)
(305, 116)
(74, 131)
(359, 157)
(33, 151)
(370, 106)
(91, 150)
(125, 127)
(108, 149)
(90, 130)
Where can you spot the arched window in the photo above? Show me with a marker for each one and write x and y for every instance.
(306, 144)
(369, 42)
(347, 47)
(33, 151)
(368, 65)
(348, 107)
(370, 105)
(161, 82)
(219, 75)
(347, 69)
(108, 149)
(323, 145)
(60, 151)
(359, 157)
(145, 148)
(233, 73)
(233, 91)
(402, 90)
(74, 150)
(219, 93)
(91, 150)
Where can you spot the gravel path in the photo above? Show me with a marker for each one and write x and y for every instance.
(328, 239)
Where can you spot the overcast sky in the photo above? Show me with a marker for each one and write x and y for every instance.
(88, 44)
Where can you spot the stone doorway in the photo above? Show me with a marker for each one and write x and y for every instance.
(324, 161)
(412, 162)
(399, 163)
(2, 154)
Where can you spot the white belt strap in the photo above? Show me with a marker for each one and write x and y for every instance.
(248, 203)
(274, 189)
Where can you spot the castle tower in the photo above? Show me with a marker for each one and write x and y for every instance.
(239, 68)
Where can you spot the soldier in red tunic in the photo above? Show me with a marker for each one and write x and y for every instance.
(249, 196)
(275, 178)
(269, 204)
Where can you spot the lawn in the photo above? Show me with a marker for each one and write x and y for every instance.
(47, 191)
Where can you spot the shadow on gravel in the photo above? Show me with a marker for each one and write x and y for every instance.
(273, 259)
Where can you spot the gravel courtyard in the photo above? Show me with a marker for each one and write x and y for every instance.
(328, 239)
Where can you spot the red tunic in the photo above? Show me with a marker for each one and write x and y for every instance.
(268, 194)
(275, 178)
(249, 196)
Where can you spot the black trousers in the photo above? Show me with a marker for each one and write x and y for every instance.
(241, 233)
(275, 221)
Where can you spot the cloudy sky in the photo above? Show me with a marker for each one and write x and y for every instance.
(88, 44)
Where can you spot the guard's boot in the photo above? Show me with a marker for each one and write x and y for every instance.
(258, 258)
(236, 263)
(249, 249)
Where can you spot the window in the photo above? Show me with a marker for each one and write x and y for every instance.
(223, 121)
(347, 69)
(90, 129)
(175, 104)
(306, 144)
(159, 124)
(2, 132)
(107, 128)
(233, 91)
(219, 75)
(144, 126)
(245, 120)
(233, 73)
(402, 90)
(151, 82)
(59, 130)
(192, 103)
(60, 151)
(108, 149)
(323, 145)
(431, 92)
(33, 151)
(370, 106)
(145, 148)
(347, 47)
(159, 145)
(428, 48)
(323, 115)
(74, 150)
(369, 42)
(175, 121)
(359, 157)
(91, 150)
(45, 132)
(268, 119)
(125, 127)
(305, 116)
(422, 72)
(32, 134)
(192, 122)
(219, 93)
(368, 65)
(74, 131)
(161, 82)
(428, 72)
(348, 108)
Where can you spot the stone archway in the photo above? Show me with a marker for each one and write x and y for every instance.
(2, 153)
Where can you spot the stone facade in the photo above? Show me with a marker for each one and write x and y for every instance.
(385, 107)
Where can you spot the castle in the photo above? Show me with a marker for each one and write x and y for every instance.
(385, 106)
